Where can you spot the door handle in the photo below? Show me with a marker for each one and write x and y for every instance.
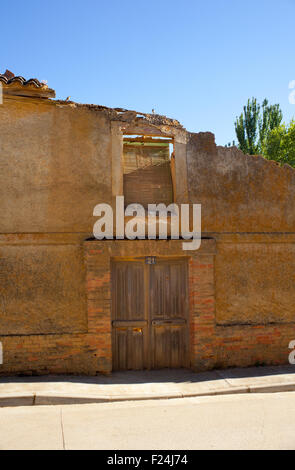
(137, 330)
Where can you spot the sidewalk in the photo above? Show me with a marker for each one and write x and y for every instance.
(143, 385)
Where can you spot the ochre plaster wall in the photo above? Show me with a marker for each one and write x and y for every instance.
(239, 193)
(255, 279)
(42, 289)
(55, 166)
(248, 206)
(57, 163)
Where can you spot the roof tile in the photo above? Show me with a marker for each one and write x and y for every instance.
(19, 83)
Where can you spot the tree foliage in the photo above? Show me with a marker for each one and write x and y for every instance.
(255, 125)
(246, 127)
(270, 118)
(280, 144)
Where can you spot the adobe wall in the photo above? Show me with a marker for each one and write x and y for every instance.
(55, 167)
(57, 163)
(255, 277)
(248, 206)
(239, 193)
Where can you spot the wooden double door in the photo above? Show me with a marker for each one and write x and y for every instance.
(150, 328)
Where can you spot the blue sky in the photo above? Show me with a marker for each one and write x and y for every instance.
(196, 61)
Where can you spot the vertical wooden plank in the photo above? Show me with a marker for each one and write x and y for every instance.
(135, 352)
(121, 349)
(148, 337)
(160, 347)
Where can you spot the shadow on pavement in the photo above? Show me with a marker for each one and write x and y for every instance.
(156, 376)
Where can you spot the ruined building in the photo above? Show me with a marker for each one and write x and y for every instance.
(72, 304)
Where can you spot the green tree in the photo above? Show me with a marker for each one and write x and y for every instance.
(254, 125)
(280, 144)
(269, 119)
(246, 127)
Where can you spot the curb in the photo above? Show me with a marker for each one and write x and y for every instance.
(43, 399)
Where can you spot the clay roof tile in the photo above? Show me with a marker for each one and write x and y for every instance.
(10, 81)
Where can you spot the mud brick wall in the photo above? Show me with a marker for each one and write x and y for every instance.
(58, 161)
(215, 345)
(52, 354)
(253, 345)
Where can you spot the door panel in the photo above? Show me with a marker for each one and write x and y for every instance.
(129, 332)
(169, 347)
(128, 286)
(168, 289)
(129, 349)
(169, 314)
(150, 314)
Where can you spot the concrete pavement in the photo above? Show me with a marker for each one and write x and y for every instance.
(258, 421)
(143, 385)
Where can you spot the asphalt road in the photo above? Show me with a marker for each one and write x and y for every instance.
(258, 421)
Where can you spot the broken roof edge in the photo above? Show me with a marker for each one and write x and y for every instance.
(125, 115)
(18, 86)
(204, 142)
(258, 159)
